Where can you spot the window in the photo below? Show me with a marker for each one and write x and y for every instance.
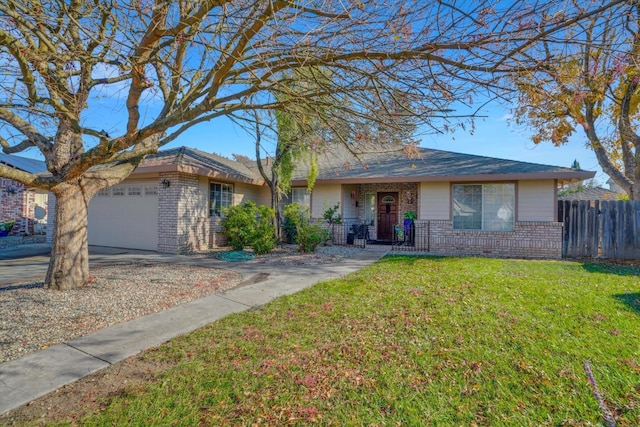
(301, 196)
(118, 191)
(369, 208)
(388, 199)
(220, 196)
(103, 192)
(134, 191)
(150, 190)
(483, 207)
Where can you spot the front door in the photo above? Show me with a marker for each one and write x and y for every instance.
(387, 215)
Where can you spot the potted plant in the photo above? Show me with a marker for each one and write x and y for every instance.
(409, 217)
(5, 227)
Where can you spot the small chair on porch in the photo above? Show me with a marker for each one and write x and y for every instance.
(360, 233)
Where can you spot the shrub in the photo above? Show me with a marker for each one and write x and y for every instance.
(7, 226)
(250, 225)
(309, 236)
(294, 215)
(264, 237)
(333, 218)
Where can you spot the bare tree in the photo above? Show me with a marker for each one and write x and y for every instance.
(589, 79)
(167, 65)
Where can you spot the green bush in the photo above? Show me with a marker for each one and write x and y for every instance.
(309, 236)
(294, 215)
(7, 226)
(250, 225)
(264, 237)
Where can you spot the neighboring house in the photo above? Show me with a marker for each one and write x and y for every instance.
(27, 206)
(592, 193)
(577, 191)
(464, 204)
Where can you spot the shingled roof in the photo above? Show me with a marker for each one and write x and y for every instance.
(341, 166)
(425, 164)
(594, 193)
(23, 163)
(189, 160)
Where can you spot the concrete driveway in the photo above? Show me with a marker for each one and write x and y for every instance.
(29, 262)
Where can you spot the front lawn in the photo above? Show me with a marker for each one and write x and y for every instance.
(412, 341)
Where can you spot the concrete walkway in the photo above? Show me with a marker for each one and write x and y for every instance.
(35, 375)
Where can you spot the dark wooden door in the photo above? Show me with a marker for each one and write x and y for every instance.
(387, 215)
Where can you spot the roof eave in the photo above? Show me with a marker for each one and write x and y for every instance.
(197, 171)
(566, 177)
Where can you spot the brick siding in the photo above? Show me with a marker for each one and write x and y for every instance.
(183, 224)
(527, 240)
(51, 217)
(216, 237)
(17, 204)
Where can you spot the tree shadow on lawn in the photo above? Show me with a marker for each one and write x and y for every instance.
(631, 299)
(619, 267)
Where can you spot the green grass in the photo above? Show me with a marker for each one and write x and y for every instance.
(412, 341)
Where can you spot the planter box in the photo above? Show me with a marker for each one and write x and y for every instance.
(360, 243)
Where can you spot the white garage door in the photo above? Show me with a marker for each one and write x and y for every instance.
(125, 216)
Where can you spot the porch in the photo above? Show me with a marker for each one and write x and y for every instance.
(376, 209)
(438, 237)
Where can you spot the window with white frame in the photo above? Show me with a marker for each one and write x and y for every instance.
(301, 196)
(118, 191)
(369, 208)
(150, 190)
(220, 197)
(134, 190)
(488, 207)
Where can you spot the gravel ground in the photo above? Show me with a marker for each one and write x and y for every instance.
(32, 318)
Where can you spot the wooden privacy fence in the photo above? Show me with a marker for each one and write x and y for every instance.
(600, 228)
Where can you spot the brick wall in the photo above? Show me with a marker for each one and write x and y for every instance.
(183, 223)
(407, 199)
(528, 240)
(407, 196)
(51, 217)
(216, 238)
(193, 217)
(168, 213)
(17, 204)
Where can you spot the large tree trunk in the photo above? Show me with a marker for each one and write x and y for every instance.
(69, 263)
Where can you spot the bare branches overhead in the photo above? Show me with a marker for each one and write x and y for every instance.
(201, 60)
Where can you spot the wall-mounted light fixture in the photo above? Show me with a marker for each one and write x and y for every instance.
(409, 197)
(166, 183)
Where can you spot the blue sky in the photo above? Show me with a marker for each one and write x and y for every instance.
(494, 136)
